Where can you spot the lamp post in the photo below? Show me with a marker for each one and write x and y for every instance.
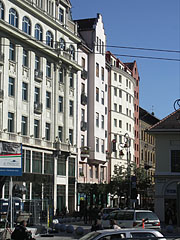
(126, 145)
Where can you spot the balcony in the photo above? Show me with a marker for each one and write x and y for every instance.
(1, 59)
(85, 151)
(83, 126)
(38, 107)
(84, 74)
(38, 75)
(1, 95)
(83, 99)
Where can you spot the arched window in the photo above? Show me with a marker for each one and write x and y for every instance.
(13, 17)
(1, 10)
(62, 44)
(38, 32)
(49, 39)
(26, 25)
(72, 52)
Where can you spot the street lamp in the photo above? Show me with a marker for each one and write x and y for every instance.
(126, 145)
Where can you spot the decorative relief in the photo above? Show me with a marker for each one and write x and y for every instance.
(25, 72)
(61, 87)
(71, 92)
(12, 68)
(48, 83)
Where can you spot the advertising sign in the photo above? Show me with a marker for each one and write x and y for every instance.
(10, 159)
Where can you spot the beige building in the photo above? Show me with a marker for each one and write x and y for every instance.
(38, 66)
(167, 173)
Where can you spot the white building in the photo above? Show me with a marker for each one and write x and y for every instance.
(94, 168)
(38, 66)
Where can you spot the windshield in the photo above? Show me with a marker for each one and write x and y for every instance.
(144, 215)
(90, 236)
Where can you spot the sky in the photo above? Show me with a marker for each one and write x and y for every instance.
(153, 24)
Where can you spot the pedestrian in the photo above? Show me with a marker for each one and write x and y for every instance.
(21, 232)
(114, 225)
(97, 225)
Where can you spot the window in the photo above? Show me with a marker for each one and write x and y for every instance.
(82, 140)
(97, 144)
(102, 97)
(100, 45)
(115, 107)
(120, 124)
(127, 126)
(82, 88)
(129, 85)
(24, 125)
(60, 104)
(96, 172)
(60, 133)
(102, 145)
(83, 62)
(47, 131)
(48, 69)
(38, 32)
(115, 91)
(120, 108)
(24, 91)
(48, 99)
(102, 48)
(49, 39)
(72, 52)
(25, 58)
(175, 160)
(105, 110)
(61, 15)
(115, 122)
(71, 136)
(97, 94)
(61, 75)
(11, 89)
(36, 128)
(71, 80)
(97, 43)
(48, 163)
(37, 162)
(13, 17)
(126, 82)
(71, 108)
(10, 122)
(97, 69)
(62, 44)
(12, 51)
(127, 97)
(37, 62)
(102, 73)
(102, 121)
(82, 115)
(61, 170)
(1, 10)
(97, 119)
(91, 171)
(26, 25)
(36, 95)
(102, 173)
(127, 111)
(115, 77)
(28, 160)
(120, 78)
(120, 93)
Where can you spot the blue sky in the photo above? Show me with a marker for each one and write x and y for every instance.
(147, 24)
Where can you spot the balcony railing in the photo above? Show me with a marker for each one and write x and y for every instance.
(38, 107)
(83, 99)
(83, 126)
(1, 95)
(38, 75)
(1, 58)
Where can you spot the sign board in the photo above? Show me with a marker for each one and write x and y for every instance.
(10, 159)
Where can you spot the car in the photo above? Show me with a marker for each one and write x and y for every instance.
(106, 211)
(132, 218)
(116, 234)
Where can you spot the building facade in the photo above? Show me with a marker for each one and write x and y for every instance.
(121, 85)
(38, 68)
(93, 168)
(167, 173)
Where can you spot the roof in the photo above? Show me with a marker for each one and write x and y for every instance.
(130, 65)
(147, 117)
(86, 24)
(169, 123)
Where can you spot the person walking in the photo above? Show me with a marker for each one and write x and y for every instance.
(21, 233)
(114, 225)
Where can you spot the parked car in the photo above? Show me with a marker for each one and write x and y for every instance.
(132, 218)
(114, 234)
(106, 211)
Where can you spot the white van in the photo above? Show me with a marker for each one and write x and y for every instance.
(132, 218)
